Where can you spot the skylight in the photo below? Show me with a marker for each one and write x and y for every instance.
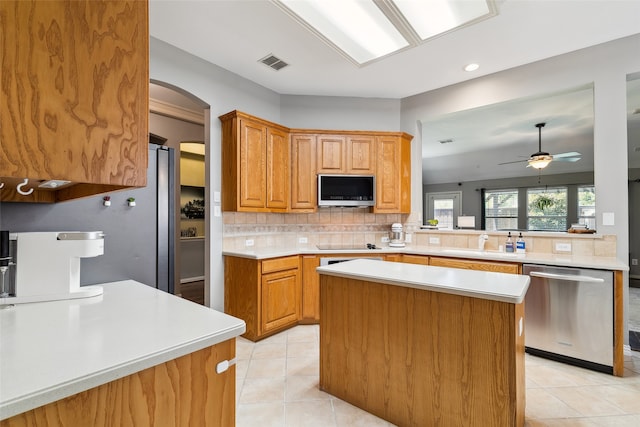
(366, 30)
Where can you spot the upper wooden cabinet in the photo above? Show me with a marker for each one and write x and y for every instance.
(75, 93)
(393, 174)
(255, 164)
(346, 154)
(304, 188)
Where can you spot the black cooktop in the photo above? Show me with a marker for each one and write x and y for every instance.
(340, 247)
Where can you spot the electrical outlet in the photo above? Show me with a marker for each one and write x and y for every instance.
(303, 240)
(248, 242)
(563, 247)
(385, 239)
(407, 238)
(634, 261)
(434, 240)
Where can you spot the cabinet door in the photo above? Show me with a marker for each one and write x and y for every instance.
(252, 164)
(498, 267)
(332, 154)
(393, 175)
(310, 289)
(361, 155)
(280, 295)
(75, 96)
(304, 185)
(277, 190)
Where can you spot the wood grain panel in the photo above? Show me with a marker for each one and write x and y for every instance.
(331, 157)
(415, 259)
(279, 264)
(75, 83)
(253, 162)
(393, 174)
(361, 155)
(277, 173)
(498, 267)
(241, 292)
(310, 289)
(418, 358)
(304, 185)
(183, 392)
(280, 300)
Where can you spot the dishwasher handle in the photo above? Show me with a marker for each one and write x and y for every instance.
(565, 277)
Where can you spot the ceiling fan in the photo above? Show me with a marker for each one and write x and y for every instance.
(541, 159)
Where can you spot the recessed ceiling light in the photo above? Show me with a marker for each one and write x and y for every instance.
(471, 67)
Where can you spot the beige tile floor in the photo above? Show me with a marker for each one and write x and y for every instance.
(277, 385)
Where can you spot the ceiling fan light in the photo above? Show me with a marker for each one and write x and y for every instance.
(540, 162)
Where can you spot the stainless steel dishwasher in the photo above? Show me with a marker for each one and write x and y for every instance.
(569, 315)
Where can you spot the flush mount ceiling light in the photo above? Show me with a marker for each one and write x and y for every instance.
(471, 67)
(366, 30)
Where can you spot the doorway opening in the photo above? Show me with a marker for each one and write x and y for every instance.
(179, 117)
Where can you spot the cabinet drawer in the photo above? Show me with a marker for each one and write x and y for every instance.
(278, 264)
(497, 267)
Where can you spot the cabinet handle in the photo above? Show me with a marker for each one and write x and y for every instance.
(224, 365)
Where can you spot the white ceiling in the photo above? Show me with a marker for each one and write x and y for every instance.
(235, 35)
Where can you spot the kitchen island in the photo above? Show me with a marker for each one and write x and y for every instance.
(132, 356)
(422, 345)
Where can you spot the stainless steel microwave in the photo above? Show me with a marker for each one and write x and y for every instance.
(346, 190)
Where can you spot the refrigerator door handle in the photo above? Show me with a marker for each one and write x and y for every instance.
(570, 278)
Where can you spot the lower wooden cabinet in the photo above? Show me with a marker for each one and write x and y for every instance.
(310, 289)
(498, 267)
(185, 391)
(266, 294)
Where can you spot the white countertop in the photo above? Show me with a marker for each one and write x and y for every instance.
(52, 350)
(503, 287)
(568, 260)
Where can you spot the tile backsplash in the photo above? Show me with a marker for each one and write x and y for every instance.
(357, 226)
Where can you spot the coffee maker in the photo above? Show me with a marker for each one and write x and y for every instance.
(45, 266)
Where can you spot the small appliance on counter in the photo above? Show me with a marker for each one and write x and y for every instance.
(396, 236)
(45, 266)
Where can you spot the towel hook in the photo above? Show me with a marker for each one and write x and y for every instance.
(19, 188)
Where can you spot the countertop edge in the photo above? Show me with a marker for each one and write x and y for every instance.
(605, 263)
(27, 402)
(486, 294)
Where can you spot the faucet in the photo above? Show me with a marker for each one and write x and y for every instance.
(482, 239)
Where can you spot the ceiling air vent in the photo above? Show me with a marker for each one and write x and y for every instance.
(274, 62)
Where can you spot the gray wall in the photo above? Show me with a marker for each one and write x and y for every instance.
(130, 241)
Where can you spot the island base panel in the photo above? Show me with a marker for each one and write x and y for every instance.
(185, 391)
(416, 357)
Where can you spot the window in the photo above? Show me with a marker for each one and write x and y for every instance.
(444, 207)
(501, 209)
(547, 209)
(587, 206)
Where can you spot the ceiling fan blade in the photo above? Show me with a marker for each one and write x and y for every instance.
(566, 159)
(568, 154)
(515, 161)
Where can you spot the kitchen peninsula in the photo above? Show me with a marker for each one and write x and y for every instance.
(132, 356)
(423, 345)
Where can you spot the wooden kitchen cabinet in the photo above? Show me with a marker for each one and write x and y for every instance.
(310, 289)
(304, 184)
(346, 154)
(181, 392)
(266, 294)
(393, 174)
(415, 259)
(255, 164)
(75, 97)
(468, 264)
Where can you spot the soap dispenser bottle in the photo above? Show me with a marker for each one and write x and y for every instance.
(520, 246)
(508, 246)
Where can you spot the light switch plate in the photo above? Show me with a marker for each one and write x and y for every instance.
(608, 218)
(216, 197)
